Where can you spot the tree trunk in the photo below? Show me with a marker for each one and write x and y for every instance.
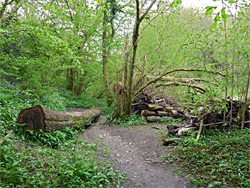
(48, 120)
(105, 61)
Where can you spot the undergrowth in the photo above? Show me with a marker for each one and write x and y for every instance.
(217, 160)
(132, 120)
(25, 163)
(57, 159)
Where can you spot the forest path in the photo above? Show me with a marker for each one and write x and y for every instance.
(137, 151)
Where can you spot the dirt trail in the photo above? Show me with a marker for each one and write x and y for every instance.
(138, 152)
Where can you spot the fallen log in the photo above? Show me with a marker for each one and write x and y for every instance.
(148, 113)
(155, 107)
(185, 130)
(173, 113)
(171, 140)
(162, 113)
(38, 117)
(138, 107)
(153, 118)
(168, 108)
(153, 113)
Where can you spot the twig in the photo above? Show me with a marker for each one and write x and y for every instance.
(200, 129)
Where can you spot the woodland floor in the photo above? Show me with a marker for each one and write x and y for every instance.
(136, 152)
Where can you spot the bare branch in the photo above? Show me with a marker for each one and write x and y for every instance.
(146, 12)
(169, 72)
(198, 88)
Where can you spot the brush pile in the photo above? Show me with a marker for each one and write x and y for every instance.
(153, 109)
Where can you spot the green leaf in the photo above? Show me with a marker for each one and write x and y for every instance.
(209, 10)
(217, 18)
(224, 16)
(214, 25)
(175, 3)
(179, 2)
(231, 1)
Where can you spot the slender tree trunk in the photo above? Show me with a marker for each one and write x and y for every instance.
(138, 21)
(105, 61)
(226, 60)
(246, 100)
(124, 78)
(132, 63)
(233, 65)
(70, 78)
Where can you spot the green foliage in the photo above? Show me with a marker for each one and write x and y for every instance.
(23, 164)
(132, 120)
(57, 159)
(56, 140)
(83, 101)
(170, 121)
(108, 110)
(217, 160)
(28, 52)
(175, 3)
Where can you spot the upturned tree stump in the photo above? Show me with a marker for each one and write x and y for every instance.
(38, 117)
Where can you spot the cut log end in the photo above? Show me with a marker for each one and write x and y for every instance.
(33, 118)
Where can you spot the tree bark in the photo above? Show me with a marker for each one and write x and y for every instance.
(153, 113)
(156, 79)
(135, 37)
(37, 117)
(153, 118)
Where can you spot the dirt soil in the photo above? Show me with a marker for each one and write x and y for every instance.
(138, 153)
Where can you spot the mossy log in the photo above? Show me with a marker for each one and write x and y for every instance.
(153, 113)
(168, 108)
(155, 107)
(38, 117)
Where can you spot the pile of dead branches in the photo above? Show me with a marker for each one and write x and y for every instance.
(210, 117)
(153, 108)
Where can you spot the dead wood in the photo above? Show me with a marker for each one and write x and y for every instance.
(196, 87)
(153, 113)
(155, 80)
(185, 130)
(148, 113)
(171, 140)
(153, 118)
(173, 113)
(155, 107)
(199, 132)
(182, 80)
(168, 108)
(39, 117)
